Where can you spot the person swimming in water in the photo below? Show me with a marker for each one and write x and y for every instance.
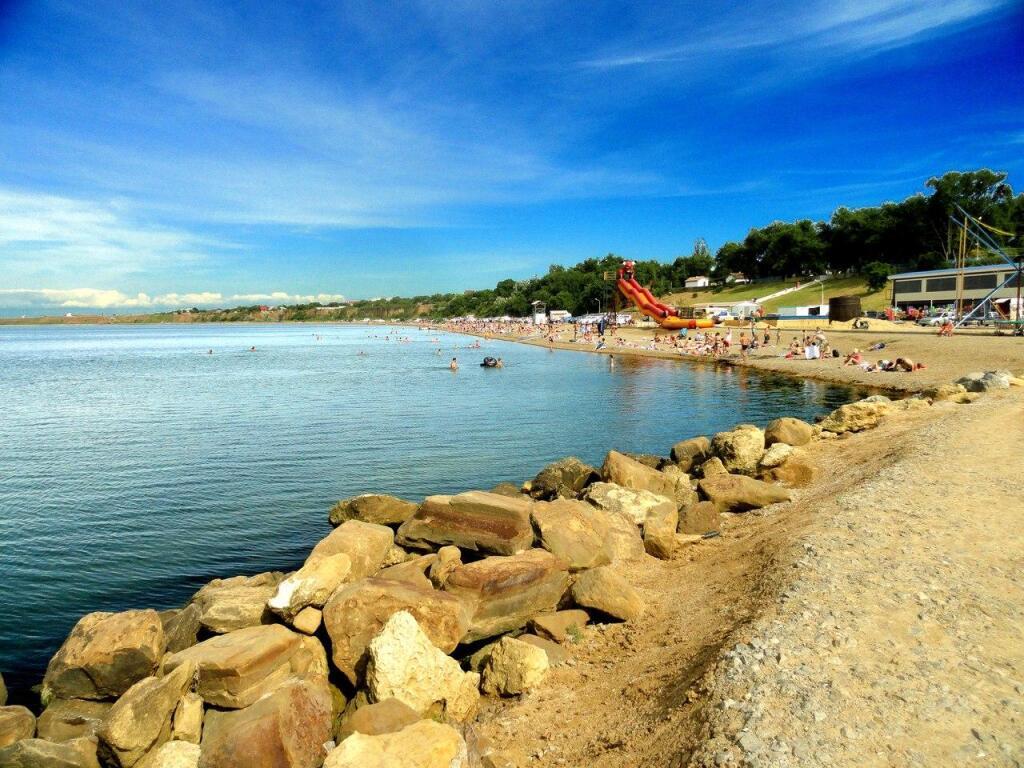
(499, 364)
(454, 364)
(252, 349)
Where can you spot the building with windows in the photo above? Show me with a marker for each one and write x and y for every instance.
(941, 287)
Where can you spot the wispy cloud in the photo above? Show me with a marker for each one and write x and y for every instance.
(105, 299)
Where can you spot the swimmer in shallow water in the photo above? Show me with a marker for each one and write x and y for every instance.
(252, 349)
(499, 364)
(454, 364)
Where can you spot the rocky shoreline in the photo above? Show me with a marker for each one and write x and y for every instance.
(403, 621)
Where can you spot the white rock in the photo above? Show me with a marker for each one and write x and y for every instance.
(425, 744)
(514, 667)
(776, 454)
(311, 585)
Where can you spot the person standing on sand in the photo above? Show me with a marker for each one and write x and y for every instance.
(744, 345)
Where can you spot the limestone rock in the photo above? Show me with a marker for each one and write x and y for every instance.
(740, 449)
(476, 521)
(685, 495)
(565, 478)
(514, 667)
(448, 559)
(507, 489)
(500, 594)
(557, 655)
(406, 665)
(660, 531)
(66, 719)
(287, 729)
(573, 531)
(699, 519)
(615, 498)
(794, 473)
(241, 601)
(984, 382)
(16, 723)
(105, 654)
(311, 585)
(3, 691)
(424, 744)
(188, 719)
(629, 473)
(376, 508)
(738, 493)
(776, 455)
(181, 627)
(307, 621)
(357, 612)
(690, 453)
(386, 716)
(605, 590)
(39, 753)
(560, 625)
(413, 571)
(173, 754)
(236, 669)
(951, 392)
(141, 719)
(623, 541)
(789, 431)
(712, 467)
(858, 416)
(366, 544)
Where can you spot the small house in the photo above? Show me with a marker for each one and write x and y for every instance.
(698, 281)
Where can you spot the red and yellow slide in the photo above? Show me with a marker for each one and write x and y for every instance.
(664, 315)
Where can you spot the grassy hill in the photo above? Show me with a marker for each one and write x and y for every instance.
(844, 286)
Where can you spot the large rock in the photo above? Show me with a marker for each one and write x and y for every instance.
(560, 625)
(105, 654)
(447, 560)
(236, 669)
(477, 521)
(3, 691)
(141, 719)
(66, 719)
(514, 667)
(776, 455)
(688, 454)
(376, 508)
(503, 593)
(983, 382)
(712, 467)
(16, 723)
(425, 744)
(39, 753)
(629, 473)
(181, 627)
(606, 591)
(366, 544)
(740, 449)
(174, 754)
(406, 665)
(795, 472)
(557, 655)
(357, 612)
(623, 541)
(565, 478)
(738, 493)
(635, 505)
(287, 729)
(660, 531)
(187, 724)
(789, 431)
(699, 519)
(952, 392)
(241, 601)
(573, 531)
(385, 716)
(311, 585)
(413, 571)
(856, 417)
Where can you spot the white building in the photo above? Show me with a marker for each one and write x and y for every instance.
(698, 281)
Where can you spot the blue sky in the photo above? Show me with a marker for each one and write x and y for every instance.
(161, 154)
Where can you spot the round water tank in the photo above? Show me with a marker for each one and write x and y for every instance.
(842, 308)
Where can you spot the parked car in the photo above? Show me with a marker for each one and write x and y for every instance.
(940, 319)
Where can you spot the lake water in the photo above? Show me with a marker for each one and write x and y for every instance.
(134, 467)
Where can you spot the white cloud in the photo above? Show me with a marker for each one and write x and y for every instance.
(107, 299)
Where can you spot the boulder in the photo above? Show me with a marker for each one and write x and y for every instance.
(514, 667)
(16, 723)
(405, 664)
(187, 724)
(629, 473)
(140, 720)
(39, 753)
(424, 744)
(776, 455)
(66, 719)
(448, 559)
(385, 716)
(565, 478)
(740, 449)
(287, 729)
(623, 541)
(413, 571)
(376, 508)
(573, 531)
(690, 453)
(507, 489)
(699, 519)
(685, 495)
(395, 556)
(476, 521)
(560, 625)
(712, 467)
(308, 620)
(660, 531)
(858, 416)
(181, 627)
(984, 382)
(366, 544)
(236, 669)
(789, 431)
(356, 613)
(952, 392)
(606, 591)
(612, 498)
(911, 404)
(105, 654)
(557, 655)
(311, 585)
(3, 691)
(738, 493)
(500, 594)
(173, 754)
(241, 601)
(795, 473)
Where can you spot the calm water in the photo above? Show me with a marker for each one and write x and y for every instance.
(134, 466)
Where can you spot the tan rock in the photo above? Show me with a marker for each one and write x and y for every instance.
(424, 744)
(660, 531)
(311, 585)
(507, 489)
(105, 654)
(740, 449)
(776, 455)
(307, 621)
(503, 593)
(376, 508)
(794, 473)
(712, 467)
(141, 719)
(366, 544)
(241, 601)
(789, 431)
(413, 571)
(39, 753)
(702, 517)
(181, 627)
(406, 665)
(514, 667)
(3, 691)
(560, 625)
(476, 521)
(557, 655)
(16, 723)
(635, 505)
(690, 453)
(357, 612)
(943, 392)
(188, 718)
(573, 531)
(385, 716)
(623, 541)
(629, 473)
(66, 719)
(448, 559)
(287, 729)
(565, 478)
(738, 493)
(606, 591)
(173, 754)
(856, 417)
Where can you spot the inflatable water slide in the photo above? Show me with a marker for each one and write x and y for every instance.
(664, 315)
